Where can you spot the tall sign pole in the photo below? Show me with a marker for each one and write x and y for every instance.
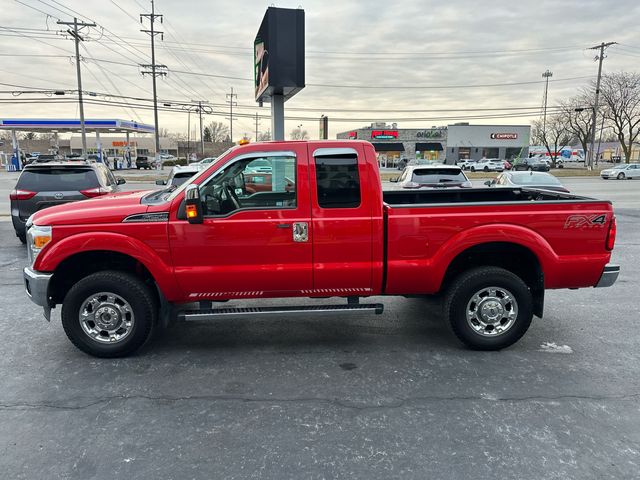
(77, 39)
(600, 57)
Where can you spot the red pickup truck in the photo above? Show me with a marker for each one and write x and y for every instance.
(126, 263)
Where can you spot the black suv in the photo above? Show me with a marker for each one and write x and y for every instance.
(144, 162)
(43, 185)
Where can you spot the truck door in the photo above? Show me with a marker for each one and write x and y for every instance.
(341, 222)
(251, 243)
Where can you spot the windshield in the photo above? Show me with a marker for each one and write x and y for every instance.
(438, 175)
(535, 179)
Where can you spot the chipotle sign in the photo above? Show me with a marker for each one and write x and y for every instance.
(504, 136)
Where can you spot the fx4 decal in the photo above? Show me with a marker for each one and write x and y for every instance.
(579, 221)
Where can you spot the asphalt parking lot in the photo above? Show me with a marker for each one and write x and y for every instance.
(390, 396)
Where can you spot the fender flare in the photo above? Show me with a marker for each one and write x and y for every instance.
(50, 258)
(494, 233)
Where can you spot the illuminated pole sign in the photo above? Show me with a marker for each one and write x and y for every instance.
(384, 134)
(278, 61)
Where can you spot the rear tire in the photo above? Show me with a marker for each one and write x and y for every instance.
(127, 331)
(22, 237)
(486, 169)
(508, 309)
(473, 169)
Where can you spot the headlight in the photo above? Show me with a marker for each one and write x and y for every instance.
(37, 238)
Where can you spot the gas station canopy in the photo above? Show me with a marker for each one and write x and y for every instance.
(73, 125)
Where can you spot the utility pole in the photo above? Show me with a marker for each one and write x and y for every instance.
(77, 38)
(600, 57)
(546, 75)
(257, 124)
(231, 96)
(156, 70)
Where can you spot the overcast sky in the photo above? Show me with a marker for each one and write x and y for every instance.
(372, 43)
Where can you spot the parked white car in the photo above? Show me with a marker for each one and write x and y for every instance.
(466, 164)
(432, 176)
(179, 175)
(488, 165)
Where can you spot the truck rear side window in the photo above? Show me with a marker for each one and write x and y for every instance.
(338, 181)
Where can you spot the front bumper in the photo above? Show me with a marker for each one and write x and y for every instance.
(609, 275)
(37, 286)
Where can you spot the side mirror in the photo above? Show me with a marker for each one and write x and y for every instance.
(161, 182)
(193, 204)
(488, 183)
(120, 181)
(394, 179)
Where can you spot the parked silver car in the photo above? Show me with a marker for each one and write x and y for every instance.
(527, 179)
(622, 172)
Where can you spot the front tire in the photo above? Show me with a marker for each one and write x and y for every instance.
(22, 237)
(489, 308)
(109, 314)
(473, 169)
(620, 176)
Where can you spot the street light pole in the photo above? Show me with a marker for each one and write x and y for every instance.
(546, 75)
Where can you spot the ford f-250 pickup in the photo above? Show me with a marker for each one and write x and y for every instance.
(126, 263)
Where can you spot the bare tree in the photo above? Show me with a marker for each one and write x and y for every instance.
(578, 114)
(29, 136)
(163, 132)
(218, 132)
(621, 97)
(299, 134)
(556, 135)
(264, 136)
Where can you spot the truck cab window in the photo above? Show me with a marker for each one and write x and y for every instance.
(251, 183)
(338, 181)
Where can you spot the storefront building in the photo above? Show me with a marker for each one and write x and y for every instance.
(393, 144)
(448, 144)
(475, 142)
(116, 146)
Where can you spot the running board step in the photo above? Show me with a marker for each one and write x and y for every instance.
(212, 314)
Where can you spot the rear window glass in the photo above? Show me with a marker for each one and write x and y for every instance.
(338, 181)
(438, 175)
(535, 179)
(63, 179)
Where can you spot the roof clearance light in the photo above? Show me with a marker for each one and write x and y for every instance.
(244, 141)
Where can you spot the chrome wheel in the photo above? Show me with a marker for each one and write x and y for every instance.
(492, 311)
(106, 317)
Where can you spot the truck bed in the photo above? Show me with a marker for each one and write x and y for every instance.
(427, 230)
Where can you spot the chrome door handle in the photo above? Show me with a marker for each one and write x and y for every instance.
(283, 225)
(300, 232)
